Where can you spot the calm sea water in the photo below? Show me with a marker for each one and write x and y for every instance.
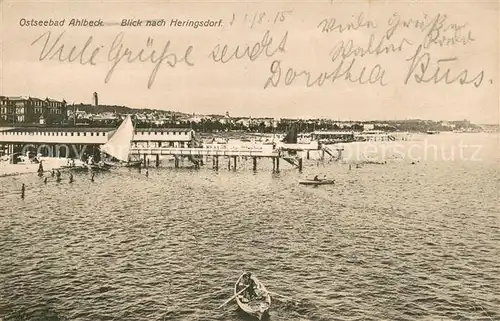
(399, 241)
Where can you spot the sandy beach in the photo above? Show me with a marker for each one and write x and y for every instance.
(49, 163)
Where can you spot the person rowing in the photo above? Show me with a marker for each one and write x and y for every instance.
(250, 284)
(317, 179)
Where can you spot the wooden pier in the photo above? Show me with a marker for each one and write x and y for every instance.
(196, 155)
(205, 152)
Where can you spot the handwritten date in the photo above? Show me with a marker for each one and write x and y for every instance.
(260, 18)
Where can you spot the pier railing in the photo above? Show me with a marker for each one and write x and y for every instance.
(204, 152)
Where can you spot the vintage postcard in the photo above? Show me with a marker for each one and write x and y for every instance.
(249, 160)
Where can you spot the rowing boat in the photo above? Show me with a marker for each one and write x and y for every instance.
(317, 182)
(133, 164)
(97, 167)
(259, 305)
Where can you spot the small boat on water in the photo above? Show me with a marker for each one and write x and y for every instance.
(370, 162)
(317, 182)
(97, 167)
(75, 168)
(135, 164)
(256, 306)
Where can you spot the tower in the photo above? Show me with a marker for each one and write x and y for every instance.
(95, 99)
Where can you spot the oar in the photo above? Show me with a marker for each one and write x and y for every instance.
(230, 299)
(283, 296)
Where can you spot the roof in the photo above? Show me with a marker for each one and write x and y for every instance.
(58, 129)
(53, 100)
(22, 98)
(350, 132)
(16, 98)
(90, 129)
(182, 130)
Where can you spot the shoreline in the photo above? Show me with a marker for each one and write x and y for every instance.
(49, 163)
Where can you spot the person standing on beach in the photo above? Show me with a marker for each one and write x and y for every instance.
(40, 169)
(71, 177)
(23, 188)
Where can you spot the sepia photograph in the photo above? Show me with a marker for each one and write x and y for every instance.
(323, 160)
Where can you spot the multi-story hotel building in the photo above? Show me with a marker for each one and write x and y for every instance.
(29, 110)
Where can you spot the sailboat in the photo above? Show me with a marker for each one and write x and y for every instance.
(119, 145)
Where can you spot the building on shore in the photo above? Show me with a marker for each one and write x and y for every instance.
(16, 111)
(331, 137)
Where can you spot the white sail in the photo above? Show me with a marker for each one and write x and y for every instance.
(119, 144)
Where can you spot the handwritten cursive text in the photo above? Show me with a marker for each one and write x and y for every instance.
(253, 52)
(118, 52)
(331, 24)
(343, 71)
(421, 72)
(374, 47)
(85, 55)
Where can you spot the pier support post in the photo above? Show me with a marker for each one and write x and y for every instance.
(254, 163)
(307, 155)
(300, 164)
(277, 164)
(145, 160)
(340, 154)
(274, 164)
(11, 149)
(176, 162)
(216, 163)
(229, 163)
(234, 158)
(157, 161)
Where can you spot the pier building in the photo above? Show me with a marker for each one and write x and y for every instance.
(165, 137)
(373, 135)
(155, 144)
(70, 142)
(332, 137)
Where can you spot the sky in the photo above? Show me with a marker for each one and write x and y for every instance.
(297, 45)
